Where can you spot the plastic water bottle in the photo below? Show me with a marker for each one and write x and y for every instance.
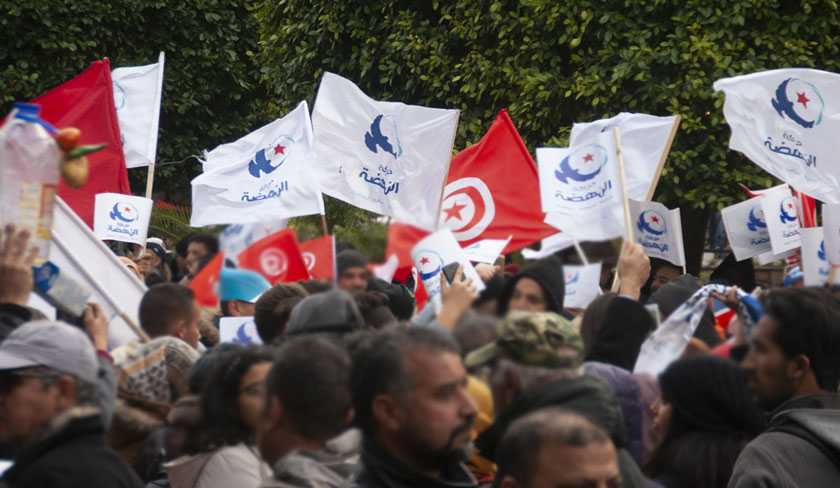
(29, 174)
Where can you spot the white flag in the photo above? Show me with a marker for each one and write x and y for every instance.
(270, 179)
(831, 232)
(658, 230)
(746, 228)
(236, 238)
(549, 245)
(137, 94)
(583, 284)
(786, 121)
(580, 189)
(644, 140)
(779, 209)
(239, 330)
(385, 157)
(124, 218)
(814, 263)
(486, 250)
(433, 253)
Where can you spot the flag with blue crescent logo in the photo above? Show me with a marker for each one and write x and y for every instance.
(746, 229)
(815, 265)
(124, 218)
(582, 285)
(831, 229)
(786, 121)
(265, 175)
(385, 157)
(782, 219)
(432, 254)
(658, 230)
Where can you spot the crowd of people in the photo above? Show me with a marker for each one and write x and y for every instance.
(355, 387)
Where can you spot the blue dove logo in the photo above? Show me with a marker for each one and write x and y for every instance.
(651, 222)
(787, 210)
(388, 141)
(755, 219)
(572, 278)
(268, 159)
(582, 164)
(821, 251)
(800, 102)
(430, 264)
(124, 212)
(242, 337)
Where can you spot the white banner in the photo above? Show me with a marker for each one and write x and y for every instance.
(137, 95)
(831, 232)
(385, 157)
(433, 253)
(779, 209)
(83, 257)
(239, 330)
(549, 245)
(486, 250)
(644, 139)
(580, 189)
(814, 263)
(786, 121)
(746, 228)
(123, 218)
(658, 231)
(583, 284)
(270, 178)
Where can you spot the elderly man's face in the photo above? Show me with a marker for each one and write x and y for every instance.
(29, 399)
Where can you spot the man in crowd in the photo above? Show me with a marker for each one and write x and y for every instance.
(239, 290)
(302, 419)
(351, 266)
(153, 375)
(555, 448)
(48, 410)
(273, 308)
(793, 367)
(333, 312)
(200, 247)
(411, 402)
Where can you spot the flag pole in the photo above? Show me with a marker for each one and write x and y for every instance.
(150, 179)
(448, 165)
(628, 224)
(324, 224)
(661, 164)
(581, 254)
(150, 175)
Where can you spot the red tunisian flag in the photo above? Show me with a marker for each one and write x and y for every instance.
(493, 191)
(206, 283)
(401, 239)
(87, 103)
(319, 257)
(277, 257)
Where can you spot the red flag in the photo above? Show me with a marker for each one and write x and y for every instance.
(319, 257)
(87, 103)
(401, 239)
(206, 282)
(493, 191)
(277, 257)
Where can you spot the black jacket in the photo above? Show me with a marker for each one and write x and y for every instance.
(74, 456)
(381, 470)
(548, 272)
(11, 316)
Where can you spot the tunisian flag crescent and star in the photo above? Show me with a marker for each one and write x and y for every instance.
(87, 103)
(319, 257)
(277, 257)
(493, 191)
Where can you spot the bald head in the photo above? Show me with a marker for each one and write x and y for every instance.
(553, 447)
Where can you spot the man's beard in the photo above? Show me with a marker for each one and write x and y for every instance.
(439, 457)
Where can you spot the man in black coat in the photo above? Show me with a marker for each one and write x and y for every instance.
(48, 397)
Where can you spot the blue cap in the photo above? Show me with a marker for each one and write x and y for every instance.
(241, 284)
(794, 276)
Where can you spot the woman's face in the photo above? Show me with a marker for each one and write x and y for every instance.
(662, 412)
(252, 393)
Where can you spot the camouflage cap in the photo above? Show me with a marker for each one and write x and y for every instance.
(533, 339)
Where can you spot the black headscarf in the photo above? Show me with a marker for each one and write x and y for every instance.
(548, 273)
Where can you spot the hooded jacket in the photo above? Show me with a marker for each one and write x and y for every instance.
(330, 467)
(619, 339)
(381, 470)
(784, 459)
(233, 466)
(548, 273)
(586, 395)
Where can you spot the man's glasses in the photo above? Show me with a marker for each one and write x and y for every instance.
(9, 380)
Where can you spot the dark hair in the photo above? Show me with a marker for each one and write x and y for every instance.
(315, 286)
(520, 447)
(625, 326)
(221, 423)
(378, 364)
(272, 310)
(209, 241)
(475, 330)
(163, 305)
(201, 371)
(592, 319)
(373, 306)
(311, 379)
(399, 300)
(713, 417)
(181, 245)
(808, 323)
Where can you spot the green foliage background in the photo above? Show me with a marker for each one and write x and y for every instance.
(232, 66)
